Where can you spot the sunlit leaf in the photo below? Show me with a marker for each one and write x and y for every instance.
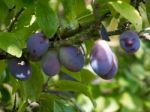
(128, 12)
(10, 44)
(46, 19)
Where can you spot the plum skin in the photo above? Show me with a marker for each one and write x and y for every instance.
(71, 57)
(50, 63)
(129, 41)
(111, 73)
(37, 44)
(104, 33)
(103, 61)
(101, 57)
(20, 69)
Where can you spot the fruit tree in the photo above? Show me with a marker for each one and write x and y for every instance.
(75, 55)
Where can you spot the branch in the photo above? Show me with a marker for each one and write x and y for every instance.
(83, 27)
(90, 29)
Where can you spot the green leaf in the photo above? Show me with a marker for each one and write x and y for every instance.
(87, 76)
(57, 107)
(111, 104)
(66, 85)
(148, 9)
(10, 44)
(132, 102)
(2, 66)
(13, 82)
(22, 106)
(128, 12)
(143, 12)
(10, 3)
(72, 86)
(24, 33)
(32, 87)
(89, 43)
(23, 3)
(63, 106)
(2, 74)
(3, 11)
(76, 75)
(74, 9)
(25, 18)
(84, 76)
(101, 10)
(6, 96)
(46, 19)
(46, 102)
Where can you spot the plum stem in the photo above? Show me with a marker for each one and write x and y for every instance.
(45, 86)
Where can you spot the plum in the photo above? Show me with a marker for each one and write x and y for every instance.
(71, 57)
(50, 63)
(19, 68)
(111, 73)
(37, 45)
(101, 57)
(129, 41)
(104, 33)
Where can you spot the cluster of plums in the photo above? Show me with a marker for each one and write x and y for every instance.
(102, 60)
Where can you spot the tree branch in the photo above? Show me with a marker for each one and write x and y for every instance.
(89, 30)
(82, 27)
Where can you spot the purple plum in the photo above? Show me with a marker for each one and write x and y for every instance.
(109, 75)
(50, 63)
(101, 57)
(71, 57)
(37, 45)
(130, 41)
(19, 68)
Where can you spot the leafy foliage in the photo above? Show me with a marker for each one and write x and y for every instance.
(77, 23)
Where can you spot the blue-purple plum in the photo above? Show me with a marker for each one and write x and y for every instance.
(19, 68)
(101, 57)
(71, 57)
(129, 41)
(104, 33)
(37, 44)
(111, 73)
(50, 63)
